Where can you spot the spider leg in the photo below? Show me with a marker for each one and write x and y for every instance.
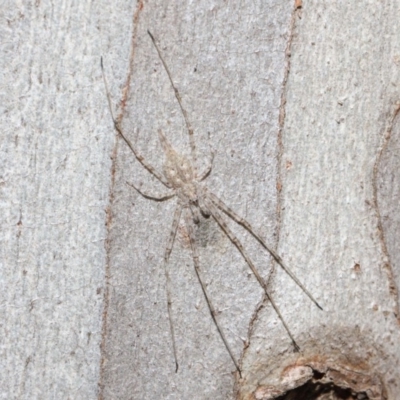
(138, 156)
(179, 99)
(151, 197)
(168, 249)
(189, 225)
(208, 169)
(228, 211)
(218, 218)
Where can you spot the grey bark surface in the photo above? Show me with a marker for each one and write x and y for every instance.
(55, 166)
(302, 110)
(339, 177)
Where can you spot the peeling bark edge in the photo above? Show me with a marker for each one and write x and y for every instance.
(359, 384)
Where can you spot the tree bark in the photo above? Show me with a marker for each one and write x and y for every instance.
(300, 103)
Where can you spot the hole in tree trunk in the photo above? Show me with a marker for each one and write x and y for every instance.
(314, 389)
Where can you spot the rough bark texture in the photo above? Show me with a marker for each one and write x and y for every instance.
(55, 166)
(301, 102)
(341, 112)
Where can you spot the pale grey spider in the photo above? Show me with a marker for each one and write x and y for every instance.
(181, 176)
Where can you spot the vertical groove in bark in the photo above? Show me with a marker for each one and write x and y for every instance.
(109, 214)
(386, 199)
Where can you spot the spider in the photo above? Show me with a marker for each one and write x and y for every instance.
(181, 176)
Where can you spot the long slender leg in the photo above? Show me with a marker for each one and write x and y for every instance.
(151, 197)
(179, 99)
(168, 249)
(217, 216)
(189, 225)
(228, 211)
(208, 169)
(138, 156)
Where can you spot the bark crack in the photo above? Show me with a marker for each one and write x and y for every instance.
(388, 266)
